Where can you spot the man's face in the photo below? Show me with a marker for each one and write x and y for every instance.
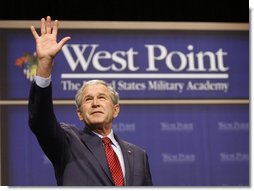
(97, 109)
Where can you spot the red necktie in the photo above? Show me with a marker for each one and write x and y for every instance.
(113, 162)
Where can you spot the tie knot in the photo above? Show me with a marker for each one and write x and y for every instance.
(106, 140)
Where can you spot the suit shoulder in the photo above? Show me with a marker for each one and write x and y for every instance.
(67, 126)
(132, 146)
(70, 129)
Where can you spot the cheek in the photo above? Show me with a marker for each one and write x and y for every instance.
(83, 112)
(108, 112)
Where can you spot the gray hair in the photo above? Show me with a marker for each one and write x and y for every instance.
(113, 93)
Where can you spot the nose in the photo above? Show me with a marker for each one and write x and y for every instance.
(95, 102)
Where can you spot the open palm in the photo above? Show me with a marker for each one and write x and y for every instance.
(47, 46)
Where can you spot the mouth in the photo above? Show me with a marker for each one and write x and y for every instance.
(96, 112)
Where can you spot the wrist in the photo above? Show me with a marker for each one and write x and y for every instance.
(44, 69)
(44, 72)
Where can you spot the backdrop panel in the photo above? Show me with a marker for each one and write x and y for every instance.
(184, 99)
(187, 145)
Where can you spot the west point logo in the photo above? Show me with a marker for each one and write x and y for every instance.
(28, 63)
(154, 69)
(123, 65)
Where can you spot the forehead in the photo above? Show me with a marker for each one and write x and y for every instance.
(94, 89)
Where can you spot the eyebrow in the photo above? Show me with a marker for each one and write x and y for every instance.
(100, 94)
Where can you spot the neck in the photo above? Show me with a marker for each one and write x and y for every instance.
(102, 130)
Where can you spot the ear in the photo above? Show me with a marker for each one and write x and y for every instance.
(79, 113)
(116, 110)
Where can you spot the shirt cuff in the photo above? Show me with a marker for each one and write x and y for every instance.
(42, 82)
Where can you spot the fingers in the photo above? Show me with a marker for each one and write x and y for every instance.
(55, 28)
(48, 25)
(43, 26)
(35, 34)
(46, 29)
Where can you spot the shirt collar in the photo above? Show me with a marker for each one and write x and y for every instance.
(110, 136)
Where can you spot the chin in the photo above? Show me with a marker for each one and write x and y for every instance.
(96, 123)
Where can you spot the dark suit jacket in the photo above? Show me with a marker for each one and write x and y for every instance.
(77, 155)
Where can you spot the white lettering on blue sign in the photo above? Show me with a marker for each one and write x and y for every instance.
(89, 55)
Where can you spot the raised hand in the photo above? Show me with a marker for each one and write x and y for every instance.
(47, 46)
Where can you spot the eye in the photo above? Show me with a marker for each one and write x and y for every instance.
(102, 97)
(87, 99)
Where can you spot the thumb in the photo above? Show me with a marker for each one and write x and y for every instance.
(63, 41)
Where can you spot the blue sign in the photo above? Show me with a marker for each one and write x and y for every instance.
(141, 64)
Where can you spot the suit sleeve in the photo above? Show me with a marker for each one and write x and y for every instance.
(43, 123)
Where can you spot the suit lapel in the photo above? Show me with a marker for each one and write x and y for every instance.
(95, 145)
(128, 160)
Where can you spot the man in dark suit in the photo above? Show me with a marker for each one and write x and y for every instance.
(79, 156)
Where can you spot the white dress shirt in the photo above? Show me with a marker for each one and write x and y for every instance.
(42, 82)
